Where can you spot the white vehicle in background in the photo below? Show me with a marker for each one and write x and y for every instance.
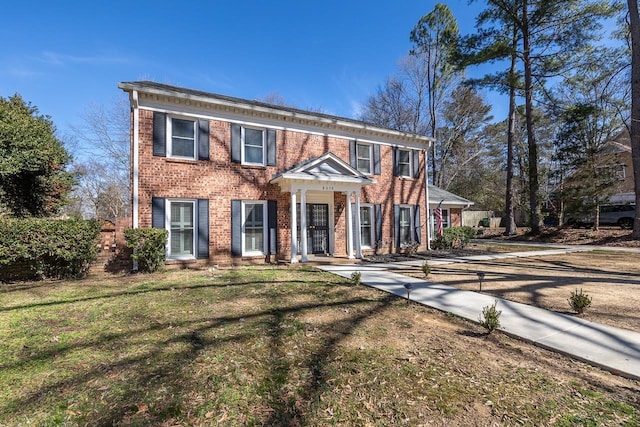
(610, 214)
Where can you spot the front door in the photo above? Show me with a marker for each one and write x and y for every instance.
(317, 228)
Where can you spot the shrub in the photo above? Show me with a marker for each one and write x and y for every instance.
(356, 277)
(579, 301)
(148, 246)
(455, 238)
(35, 248)
(490, 318)
(411, 248)
(426, 269)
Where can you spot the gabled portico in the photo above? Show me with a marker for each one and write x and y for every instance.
(314, 180)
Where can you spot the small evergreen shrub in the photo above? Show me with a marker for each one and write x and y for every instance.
(579, 301)
(148, 246)
(356, 278)
(490, 318)
(426, 269)
(455, 238)
(33, 248)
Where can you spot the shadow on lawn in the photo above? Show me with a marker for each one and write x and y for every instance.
(159, 371)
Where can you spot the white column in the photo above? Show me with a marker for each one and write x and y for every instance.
(357, 230)
(348, 219)
(294, 225)
(303, 224)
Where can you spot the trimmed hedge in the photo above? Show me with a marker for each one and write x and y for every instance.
(148, 245)
(455, 238)
(37, 248)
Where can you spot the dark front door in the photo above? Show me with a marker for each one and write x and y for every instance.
(317, 228)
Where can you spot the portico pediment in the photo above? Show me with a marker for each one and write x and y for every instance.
(327, 172)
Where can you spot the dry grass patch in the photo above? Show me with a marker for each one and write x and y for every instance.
(275, 346)
(612, 279)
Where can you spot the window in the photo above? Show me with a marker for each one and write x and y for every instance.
(366, 226)
(253, 228)
(180, 137)
(445, 218)
(182, 134)
(405, 225)
(181, 229)
(363, 156)
(253, 146)
(404, 163)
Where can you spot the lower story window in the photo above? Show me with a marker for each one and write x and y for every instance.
(366, 226)
(405, 225)
(253, 228)
(181, 229)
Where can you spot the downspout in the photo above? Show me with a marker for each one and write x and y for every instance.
(135, 172)
(135, 161)
(426, 191)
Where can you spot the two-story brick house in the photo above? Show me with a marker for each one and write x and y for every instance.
(237, 180)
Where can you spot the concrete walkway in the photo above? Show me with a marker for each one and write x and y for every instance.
(614, 349)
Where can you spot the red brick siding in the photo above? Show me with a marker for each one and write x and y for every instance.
(220, 181)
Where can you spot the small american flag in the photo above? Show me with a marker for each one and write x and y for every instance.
(438, 215)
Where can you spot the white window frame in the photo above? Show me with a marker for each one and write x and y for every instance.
(446, 218)
(411, 232)
(372, 222)
(242, 146)
(169, 202)
(169, 137)
(265, 226)
(410, 162)
(358, 158)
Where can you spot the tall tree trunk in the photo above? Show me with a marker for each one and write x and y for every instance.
(510, 221)
(534, 186)
(635, 107)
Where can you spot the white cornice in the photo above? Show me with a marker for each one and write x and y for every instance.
(235, 109)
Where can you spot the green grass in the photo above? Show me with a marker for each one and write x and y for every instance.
(265, 346)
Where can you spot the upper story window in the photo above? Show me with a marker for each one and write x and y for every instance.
(182, 138)
(253, 146)
(364, 157)
(404, 163)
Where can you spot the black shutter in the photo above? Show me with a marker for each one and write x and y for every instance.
(272, 213)
(417, 225)
(157, 212)
(236, 142)
(159, 134)
(396, 226)
(395, 161)
(202, 249)
(203, 139)
(378, 215)
(415, 154)
(353, 160)
(236, 227)
(271, 147)
(376, 159)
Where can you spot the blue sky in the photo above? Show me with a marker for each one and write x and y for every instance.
(63, 56)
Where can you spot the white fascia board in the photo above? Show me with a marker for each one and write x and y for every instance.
(262, 117)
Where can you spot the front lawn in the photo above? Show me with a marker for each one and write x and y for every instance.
(275, 346)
